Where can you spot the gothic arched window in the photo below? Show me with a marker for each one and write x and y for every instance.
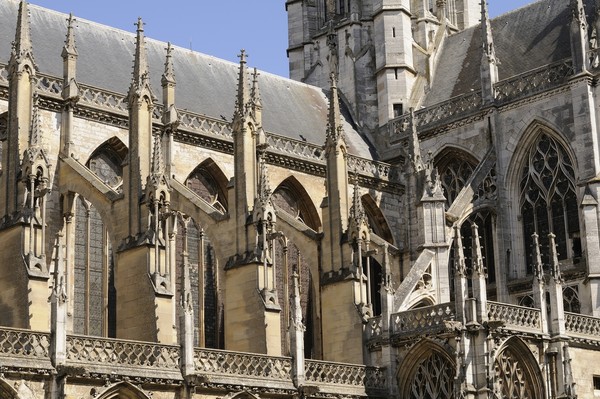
(209, 182)
(208, 317)
(293, 199)
(455, 168)
(548, 200)
(571, 301)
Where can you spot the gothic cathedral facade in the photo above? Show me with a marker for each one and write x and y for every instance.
(414, 214)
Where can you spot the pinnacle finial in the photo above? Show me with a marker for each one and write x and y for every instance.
(478, 266)
(554, 264)
(21, 46)
(414, 146)
(243, 94)
(140, 67)
(538, 266)
(70, 49)
(459, 258)
(486, 33)
(357, 211)
(169, 74)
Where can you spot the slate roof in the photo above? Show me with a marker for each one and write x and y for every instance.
(205, 85)
(527, 38)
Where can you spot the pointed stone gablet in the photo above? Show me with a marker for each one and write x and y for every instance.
(554, 263)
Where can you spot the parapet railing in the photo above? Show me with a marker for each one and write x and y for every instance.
(507, 90)
(426, 319)
(515, 317)
(582, 326)
(328, 373)
(24, 344)
(31, 349)
(239, 364)
(121, 353)
(116, 104)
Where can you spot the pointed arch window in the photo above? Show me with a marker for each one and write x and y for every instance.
(548, 200)
(571, 301)
(455, 168)
(293, 199)
(209, 182)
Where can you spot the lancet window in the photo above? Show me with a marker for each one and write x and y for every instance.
(548, 200)
(94, 293)
(291, 197)
(208, 316)
(571, 301)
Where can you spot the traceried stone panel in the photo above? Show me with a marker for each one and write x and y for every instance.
(512, 380)
(432, 378)
(548, 200)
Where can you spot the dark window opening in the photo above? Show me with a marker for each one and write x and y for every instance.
(398, 108)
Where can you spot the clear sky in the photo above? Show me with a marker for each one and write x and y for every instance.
(219, 28)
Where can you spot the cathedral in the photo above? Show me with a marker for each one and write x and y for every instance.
(414, 214)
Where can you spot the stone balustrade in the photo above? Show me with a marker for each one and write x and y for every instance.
(519, 318)
(351, 378)
(242, 365)
(582, 326)
(121, 353)
(427, 319)
(25, 349)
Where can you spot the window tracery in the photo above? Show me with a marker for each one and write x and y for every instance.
(571, 301)
(433, 378)
(291, 197)
(454, 175)
(548, 200)
(204, 183)
(512, 380)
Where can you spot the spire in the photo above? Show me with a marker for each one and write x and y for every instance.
(69, 48)
(243, 96)
(140, 66)
(554, 264)
(168, 76)
(22, 49)
(141, 76)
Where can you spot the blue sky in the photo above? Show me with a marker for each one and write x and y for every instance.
(220, 28)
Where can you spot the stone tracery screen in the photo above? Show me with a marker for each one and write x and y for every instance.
(433, 378)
